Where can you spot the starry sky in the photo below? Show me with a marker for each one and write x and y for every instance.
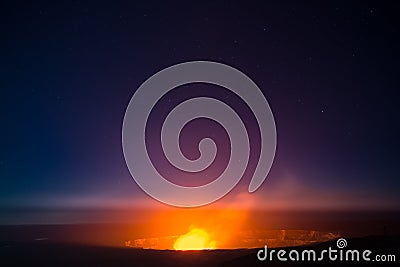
(329, 72)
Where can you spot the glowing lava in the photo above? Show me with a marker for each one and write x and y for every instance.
(195, 239)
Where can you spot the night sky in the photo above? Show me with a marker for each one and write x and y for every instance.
(329, 72)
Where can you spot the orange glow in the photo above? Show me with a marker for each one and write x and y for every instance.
(195, 239)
